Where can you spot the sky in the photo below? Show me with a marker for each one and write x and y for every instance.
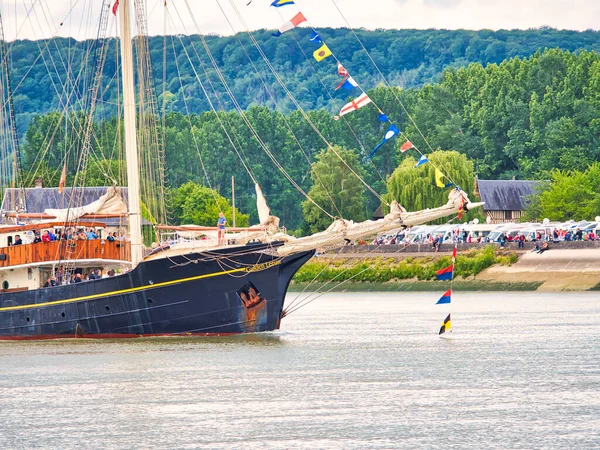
(35, 19)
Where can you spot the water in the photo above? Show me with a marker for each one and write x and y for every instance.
(349, 371)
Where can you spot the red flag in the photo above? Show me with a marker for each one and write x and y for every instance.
(115, 7)
(454, 253)
(63, 179)
(406, 146)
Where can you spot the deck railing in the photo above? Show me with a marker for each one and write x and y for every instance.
(17, 255)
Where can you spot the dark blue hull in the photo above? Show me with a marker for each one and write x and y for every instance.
(193, 294)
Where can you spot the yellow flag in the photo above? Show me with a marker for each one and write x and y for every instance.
(322, 52)
(438, 179)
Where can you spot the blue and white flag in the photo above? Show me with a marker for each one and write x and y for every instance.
(348, 84)
(422, 160)
(280, 3)
(314, 37)
(391, 132)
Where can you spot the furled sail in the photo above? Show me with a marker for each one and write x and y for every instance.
(271, 223)
(342, 231)
(110, 203)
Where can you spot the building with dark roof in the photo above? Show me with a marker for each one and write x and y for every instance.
(505, 200)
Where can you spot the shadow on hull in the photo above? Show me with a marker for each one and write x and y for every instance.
(226, 292)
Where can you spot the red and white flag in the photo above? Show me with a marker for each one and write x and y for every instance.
(115, 8)
(342, 72)
(362, 100)
(406, 146)
(296, 20)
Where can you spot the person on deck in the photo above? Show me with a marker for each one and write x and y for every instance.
(18, 240)
(221, 222)
(46, 236)
(91, 235)
(37, 238)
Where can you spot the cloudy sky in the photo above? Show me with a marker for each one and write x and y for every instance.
(33, 19)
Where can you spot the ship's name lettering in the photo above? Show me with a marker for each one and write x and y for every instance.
(263, 266)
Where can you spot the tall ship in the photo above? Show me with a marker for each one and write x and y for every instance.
(73, 260)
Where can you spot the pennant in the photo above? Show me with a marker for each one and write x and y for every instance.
(296, 20)
(342, 72)
(454, 254)
(391, 132)
(446, 298)
(314, 37)
(63, 179)
(115, 8)
(422, 160)
(406, 146)
(438, 178)
(280, 3)
(322, 52)
(355, 104)
(445, 274)
(447, 325)
(382, 117)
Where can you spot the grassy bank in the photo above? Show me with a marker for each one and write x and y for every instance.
(384, 270)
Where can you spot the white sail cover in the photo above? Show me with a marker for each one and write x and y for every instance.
(110, 203)
(261, 205)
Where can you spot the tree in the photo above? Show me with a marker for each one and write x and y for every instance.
(199, 205)
(572, 195)
(415, 188)
(335, 189)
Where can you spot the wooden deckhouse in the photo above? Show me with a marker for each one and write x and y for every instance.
(28, 265)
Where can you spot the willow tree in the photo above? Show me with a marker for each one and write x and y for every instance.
(335, 188)
(415, 187)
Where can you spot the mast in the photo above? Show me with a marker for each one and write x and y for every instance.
(133, 176)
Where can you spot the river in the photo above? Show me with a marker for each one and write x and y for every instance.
(348, 371)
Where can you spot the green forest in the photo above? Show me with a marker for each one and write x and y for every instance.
(407, 58)
(492, 103)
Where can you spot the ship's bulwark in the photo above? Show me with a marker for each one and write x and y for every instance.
(177, 296)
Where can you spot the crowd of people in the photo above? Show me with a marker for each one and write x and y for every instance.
(67, 234)
(62, 277)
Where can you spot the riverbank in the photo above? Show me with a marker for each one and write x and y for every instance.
(481, 268)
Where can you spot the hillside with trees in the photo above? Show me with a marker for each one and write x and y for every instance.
(408, 58)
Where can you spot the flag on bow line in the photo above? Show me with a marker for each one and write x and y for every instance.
(322, 52)
(454, 254)
(362, 100)
(382, 117)
(446, 298)
(447, 325)
(406, 146)
(314, 37)
(422, 160)
(296, 20)
(438, 179)
(445, 274)
(348, 82)
(391, 132)
(115, 8)
(280, 3)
